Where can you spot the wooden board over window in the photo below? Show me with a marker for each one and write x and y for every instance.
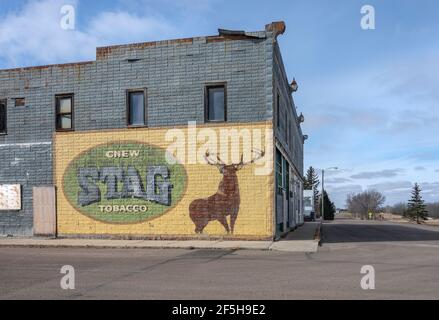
(20, 102)
(44, 204)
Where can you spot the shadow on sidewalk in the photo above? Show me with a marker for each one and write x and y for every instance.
(305, 232)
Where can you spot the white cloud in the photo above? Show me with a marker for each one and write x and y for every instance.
(374, 119)
(34, 36)
(337, 180)
(387, 173)
(338, 194)
(122, 27)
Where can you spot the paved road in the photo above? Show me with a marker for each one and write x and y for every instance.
(366, 231)
(404, 270)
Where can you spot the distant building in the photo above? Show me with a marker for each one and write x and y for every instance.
(308, 205)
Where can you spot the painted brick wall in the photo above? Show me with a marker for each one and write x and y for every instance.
(174, 73)
(191, 182)
(27, 165)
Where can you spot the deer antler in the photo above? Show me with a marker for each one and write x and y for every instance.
(211, 162)
(259, 154)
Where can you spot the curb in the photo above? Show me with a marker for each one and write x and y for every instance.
(140, 245)
(290, 246)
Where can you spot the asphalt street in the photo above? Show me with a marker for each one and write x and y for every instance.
(405, 259)
(342, 231)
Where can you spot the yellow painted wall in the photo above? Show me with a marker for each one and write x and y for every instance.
(255, 218)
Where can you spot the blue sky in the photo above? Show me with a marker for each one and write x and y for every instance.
(370, 97)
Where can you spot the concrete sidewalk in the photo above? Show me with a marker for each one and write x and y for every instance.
(304, 239)
(300, 240)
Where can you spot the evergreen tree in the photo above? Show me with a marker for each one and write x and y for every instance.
(416, 208)
(329, 207)
(312, 182)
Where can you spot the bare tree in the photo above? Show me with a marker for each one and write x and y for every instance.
(401, 208)
(363, 203)
(398, 209)
(433, 209)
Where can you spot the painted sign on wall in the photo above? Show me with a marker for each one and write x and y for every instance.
(123, 182)
(10, 197)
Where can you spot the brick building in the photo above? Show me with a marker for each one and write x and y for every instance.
(86, 148)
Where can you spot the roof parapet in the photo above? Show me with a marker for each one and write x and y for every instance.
(102, 53)
(238, 34)
(276, 27)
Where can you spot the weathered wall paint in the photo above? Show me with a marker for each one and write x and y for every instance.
(191, 182)
(175, 74)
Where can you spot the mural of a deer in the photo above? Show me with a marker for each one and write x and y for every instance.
(225, 202)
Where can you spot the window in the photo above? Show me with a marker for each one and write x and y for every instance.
(216, 103)
(290, 133)
(2, 116)
(278, 109)
(279, 172)
(282, 126)
(20, 102)
(136, 107)
(64, 112)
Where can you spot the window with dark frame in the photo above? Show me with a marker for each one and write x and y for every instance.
(283, 125)
(291, 134)
(64, 112)
(20, 102)
(279, 172)
(216, 103)
(278, 109)
(3, 120)
(136, 108)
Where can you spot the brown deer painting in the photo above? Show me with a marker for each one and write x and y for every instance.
(225, 202)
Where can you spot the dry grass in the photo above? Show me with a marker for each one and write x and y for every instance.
(388, 217)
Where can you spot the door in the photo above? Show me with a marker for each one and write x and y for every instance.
(286, 194)
(300, 220)
(292, 204)
(44, 205)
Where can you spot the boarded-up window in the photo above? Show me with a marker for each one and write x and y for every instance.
(20, 102)
(3, 117)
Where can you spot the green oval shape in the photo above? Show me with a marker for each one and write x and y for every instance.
(114, 182)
